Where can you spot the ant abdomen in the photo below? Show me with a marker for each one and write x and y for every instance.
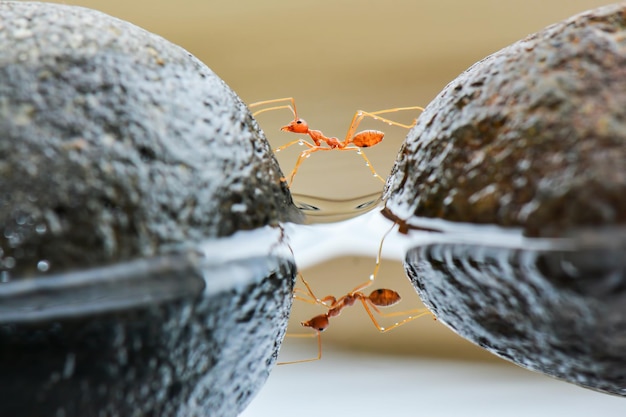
(367, 138)
(384, 297)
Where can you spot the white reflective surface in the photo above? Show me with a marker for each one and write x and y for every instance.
(365, 384)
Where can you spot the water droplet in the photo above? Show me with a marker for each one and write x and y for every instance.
(367, 164)
(359, 152)
(308, 155)
(70, 365)
(372, 277)
(43, 265)
(300, 143)
(277, 150)
(21, 219)
(389, 123)
(9, 262)
(382, 329)
(41, 228)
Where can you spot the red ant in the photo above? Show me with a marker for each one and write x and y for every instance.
(352, 142)
(382, 297)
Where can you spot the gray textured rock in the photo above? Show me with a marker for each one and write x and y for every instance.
(169, 336)
(533, 136)
(561, 312)
(531, 139)
(117, 143)
(121, 155)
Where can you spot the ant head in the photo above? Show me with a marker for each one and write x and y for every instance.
(297, 126)
(384, 297)
(319, 323)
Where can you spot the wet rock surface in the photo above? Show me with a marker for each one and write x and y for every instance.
(193, 353)
(120, 154)
(533, 136)
(532, 140)
(117, 143)
(560, 312)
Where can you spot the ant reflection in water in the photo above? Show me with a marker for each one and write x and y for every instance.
(382, 297)
(353, 141)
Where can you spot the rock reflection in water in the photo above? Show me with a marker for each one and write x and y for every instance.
(192, 333)
(559, 311)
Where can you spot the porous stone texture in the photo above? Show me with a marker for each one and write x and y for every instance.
(531, 139)
(117, 144)
(118, 147)
(193, 355)
(533, 136)
(559, 312)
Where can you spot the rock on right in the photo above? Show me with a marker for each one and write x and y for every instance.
(518, 171)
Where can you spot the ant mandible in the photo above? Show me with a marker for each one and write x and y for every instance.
(382, 297)
(352, 142)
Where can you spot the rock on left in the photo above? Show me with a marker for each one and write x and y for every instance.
(132, 181)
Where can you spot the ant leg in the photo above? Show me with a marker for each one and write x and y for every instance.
(380, 253)
(312, 298)
(375, 116)
(416, 311)
(306, 297)
(304, 155)
(291, 107)
(360, 114)
(367, 305)
(374, 273)
(293, 142)
(280, 148)
(319, 348)
(356, 120)
(327, 301)
(312, 148)
(367, 161)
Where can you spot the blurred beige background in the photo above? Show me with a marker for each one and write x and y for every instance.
(336, 57)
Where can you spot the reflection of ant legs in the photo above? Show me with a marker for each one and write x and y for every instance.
(378, 298)
(374, 273)
(309, 297)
